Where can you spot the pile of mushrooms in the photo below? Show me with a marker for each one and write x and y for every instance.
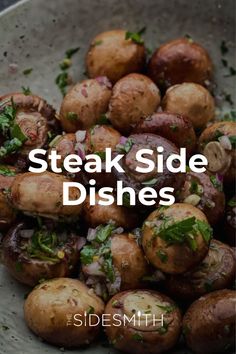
(88, 261)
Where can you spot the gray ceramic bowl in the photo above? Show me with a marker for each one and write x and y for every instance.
(35, 34)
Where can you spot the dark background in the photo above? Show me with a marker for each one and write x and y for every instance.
(6, 3)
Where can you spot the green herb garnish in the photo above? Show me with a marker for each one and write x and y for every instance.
(28, 71)
(164, 328)
(7, 117)
(137, 337)
(126, 199)
(229, 116)
(126, 146)
(72, 116)
(232, 202)
(10, 147)
(189, 38)
(103, 232)
(216, 183)
(162, 255)
(224, 62)
(103, 120)
(101, 154)
(90, 310)
(43, 246)
(232, 72)
(26, 90)
(223, 47)
(136, 37)
(167, 309)
(87, 254)
(5, 171)
(16, 132)
(99, 42)
(62, 82)
(150, 182)
(18, 267)
(70, 52)
(183, 231)
(194, 187)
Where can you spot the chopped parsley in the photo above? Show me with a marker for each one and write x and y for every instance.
(168, 308)
(125, 148)
(62, 79)
(70, 52)
(216, 183)
(224, 62)
(162, 255)
(232, 72)
(90, 310)
(101, 154)
(98, 42)
(44, 245)
(103, 120)
(26, 90)
(72, 116)
(232, 202)
(223, 47)
(136, 37)
(150, 182)
(229, 116)
(100, 249)
(194, 187)
(126, 199)
(5, 171)
(62, 82)
(184, 231)
(174, 127)
(28, 71)
(189, 38)
(18, 267)
(137, 337)
(164, 328)
(87, 254)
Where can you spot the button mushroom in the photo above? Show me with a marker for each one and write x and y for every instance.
(29, 121)
(191, 100)
(209, 323)
(157, 180)
(206, 193)
(133, 97)
(112, 262)
(173, 127)
(180, 60)
(122, 216)
(84, 104)
(176, 239)
(7, 213)
(217, 142)
(154, 322)
(41, 194)
(32, 253)
(217, 271)
(112, 55)
(57, 310)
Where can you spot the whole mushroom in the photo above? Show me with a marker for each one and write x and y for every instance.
(218, 142)
(180, 60)
(85, 103)
(113, 55)
(192, 100)
(133, 97)
(176, 239)
(154, 322)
